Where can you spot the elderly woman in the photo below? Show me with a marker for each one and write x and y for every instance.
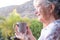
(48, 12)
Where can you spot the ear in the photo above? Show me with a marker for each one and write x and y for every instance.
(51, 8)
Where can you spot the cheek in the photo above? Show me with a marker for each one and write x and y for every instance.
(42, 18)
(44, 11)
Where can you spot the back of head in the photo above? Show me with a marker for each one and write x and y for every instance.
(57, 8)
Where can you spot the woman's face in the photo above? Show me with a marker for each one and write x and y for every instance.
(42, 12)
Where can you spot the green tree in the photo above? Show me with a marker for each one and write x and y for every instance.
(7, 24)
(36, 27)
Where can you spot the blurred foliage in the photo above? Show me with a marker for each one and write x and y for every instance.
(36, 27)
(6, 25)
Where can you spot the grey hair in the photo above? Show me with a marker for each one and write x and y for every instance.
(44, 2)
(47, 3)
(57, 8)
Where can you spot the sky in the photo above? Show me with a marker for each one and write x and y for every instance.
(4, 3)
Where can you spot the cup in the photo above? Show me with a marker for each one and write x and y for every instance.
(21, 27)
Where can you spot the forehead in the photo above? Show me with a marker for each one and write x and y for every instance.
(37, 3)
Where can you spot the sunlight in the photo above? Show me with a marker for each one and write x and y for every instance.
(4, 3)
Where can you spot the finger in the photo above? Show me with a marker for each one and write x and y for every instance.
(20, 36)
(16, 29)
(29, 30)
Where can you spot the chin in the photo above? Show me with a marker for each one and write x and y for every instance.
(40, 20)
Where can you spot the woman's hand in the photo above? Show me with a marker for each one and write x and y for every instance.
(29, 34)
(18, 34)
(22, 37)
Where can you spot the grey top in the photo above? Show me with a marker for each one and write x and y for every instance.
(51, 32)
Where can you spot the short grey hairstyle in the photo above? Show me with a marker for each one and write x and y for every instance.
(47, 3)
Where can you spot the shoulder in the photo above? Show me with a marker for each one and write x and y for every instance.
(55, 26)
(51, 32)
(54, 31)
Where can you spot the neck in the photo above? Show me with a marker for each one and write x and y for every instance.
(47, 22)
